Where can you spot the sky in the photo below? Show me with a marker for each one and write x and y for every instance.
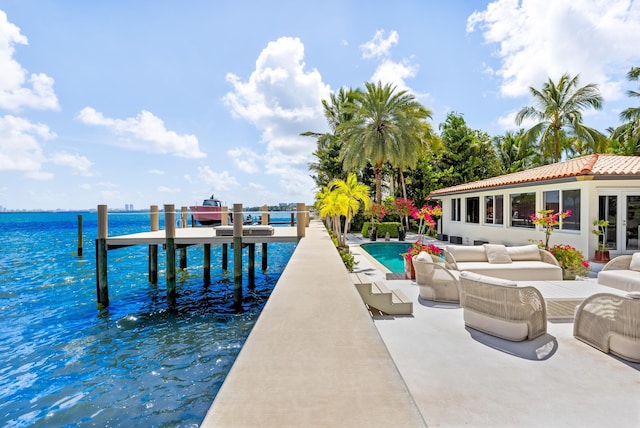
(156, 102)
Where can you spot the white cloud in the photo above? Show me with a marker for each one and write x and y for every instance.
(219, 181)
(20, 146)
(379, 46)
(245, 159)
(156, 172)
(538, 40)
(396, 73)
(145, 132)
(281, 99)
(80, 164)
(14, 95)
(85, 186)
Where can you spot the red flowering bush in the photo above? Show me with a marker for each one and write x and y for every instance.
(571, 260)
(418, 247)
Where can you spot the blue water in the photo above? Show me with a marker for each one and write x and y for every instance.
(136, 363)
(388, 254)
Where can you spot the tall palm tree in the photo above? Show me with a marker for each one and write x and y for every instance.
(628, 134)
(513, 151)
(329, 145)
(385, 127)
(558, 111)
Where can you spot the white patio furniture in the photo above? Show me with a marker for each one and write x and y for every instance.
(436, 282)
(622, 272)
(500, 308)
(610, 323)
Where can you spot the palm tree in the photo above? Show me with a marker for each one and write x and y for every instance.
(329, 145)
(386, 127)
(628, 134)
(342, 198)
(558, 111)
(513, 152)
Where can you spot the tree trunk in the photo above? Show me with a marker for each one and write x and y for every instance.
(378, 173)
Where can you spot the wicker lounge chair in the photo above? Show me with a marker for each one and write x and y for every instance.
(436, 282)
(500, 308)
(610, 323)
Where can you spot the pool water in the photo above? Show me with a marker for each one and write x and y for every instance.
(388, 254)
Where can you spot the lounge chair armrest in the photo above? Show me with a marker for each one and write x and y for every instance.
(618, 263)
(547, 257)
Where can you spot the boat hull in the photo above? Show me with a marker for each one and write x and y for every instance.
(206, 216)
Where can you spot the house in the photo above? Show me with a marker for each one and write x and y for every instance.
(498, 209)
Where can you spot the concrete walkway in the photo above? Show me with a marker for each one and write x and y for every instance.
(314, 357)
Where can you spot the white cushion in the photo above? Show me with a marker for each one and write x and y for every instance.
(635, 262)
(497, 253)
(516, 271)
(467, 253)
(424, 256)
(473, 276)
(634, 294)
(524, 252)
(622, 279)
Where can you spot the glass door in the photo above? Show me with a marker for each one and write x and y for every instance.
(622, 211)
(631, 223)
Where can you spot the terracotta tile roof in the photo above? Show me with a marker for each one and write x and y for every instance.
(598, 165)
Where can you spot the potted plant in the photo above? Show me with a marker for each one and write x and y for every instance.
(413, 250)
(570, 260)
(602, 253)
(378, 211)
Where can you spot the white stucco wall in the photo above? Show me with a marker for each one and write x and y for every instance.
(583, 239)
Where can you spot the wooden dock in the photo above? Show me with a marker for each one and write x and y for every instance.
(172, 239)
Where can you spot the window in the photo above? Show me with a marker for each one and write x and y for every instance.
(571, 201)
(523, 205)
(473, 210)
(494, 209)
(455, 209)
(564, 200)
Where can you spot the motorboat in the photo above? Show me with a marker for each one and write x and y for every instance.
(209, 213)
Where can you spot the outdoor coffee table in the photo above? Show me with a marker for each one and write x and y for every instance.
(562, 297)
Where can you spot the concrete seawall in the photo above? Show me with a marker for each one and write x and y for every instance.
(314, 357)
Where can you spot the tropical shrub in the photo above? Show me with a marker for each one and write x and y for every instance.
(571, 260)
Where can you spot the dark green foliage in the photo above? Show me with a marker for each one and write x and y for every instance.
(348, 259)
(382, 229)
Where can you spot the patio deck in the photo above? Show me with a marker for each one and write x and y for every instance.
(316, 358)
(462, 377)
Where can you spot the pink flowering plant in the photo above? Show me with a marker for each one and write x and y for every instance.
(548, 220)
(571, 260)
(418, 247)
(378, 212)
(427, 216)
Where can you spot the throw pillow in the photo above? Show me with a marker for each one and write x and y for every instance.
(635, 262)
(497, 253)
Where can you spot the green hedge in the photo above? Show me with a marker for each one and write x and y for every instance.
(382, 229)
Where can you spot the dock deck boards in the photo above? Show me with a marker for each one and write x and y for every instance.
(199, 235)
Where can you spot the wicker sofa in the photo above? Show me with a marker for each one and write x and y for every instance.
(623, 273)
(500, 308)
(611, 324)
(517, 263)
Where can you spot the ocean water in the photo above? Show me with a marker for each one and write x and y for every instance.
(64, 363)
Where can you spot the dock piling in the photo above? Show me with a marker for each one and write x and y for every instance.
(170, 234)
(101, 258)
(237, 255)
(153, 248)
(183, 250)
(207, 264)
(79, 235)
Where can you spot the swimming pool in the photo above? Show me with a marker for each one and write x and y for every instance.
(388, 254)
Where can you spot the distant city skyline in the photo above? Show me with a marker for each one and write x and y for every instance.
(154, 102)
